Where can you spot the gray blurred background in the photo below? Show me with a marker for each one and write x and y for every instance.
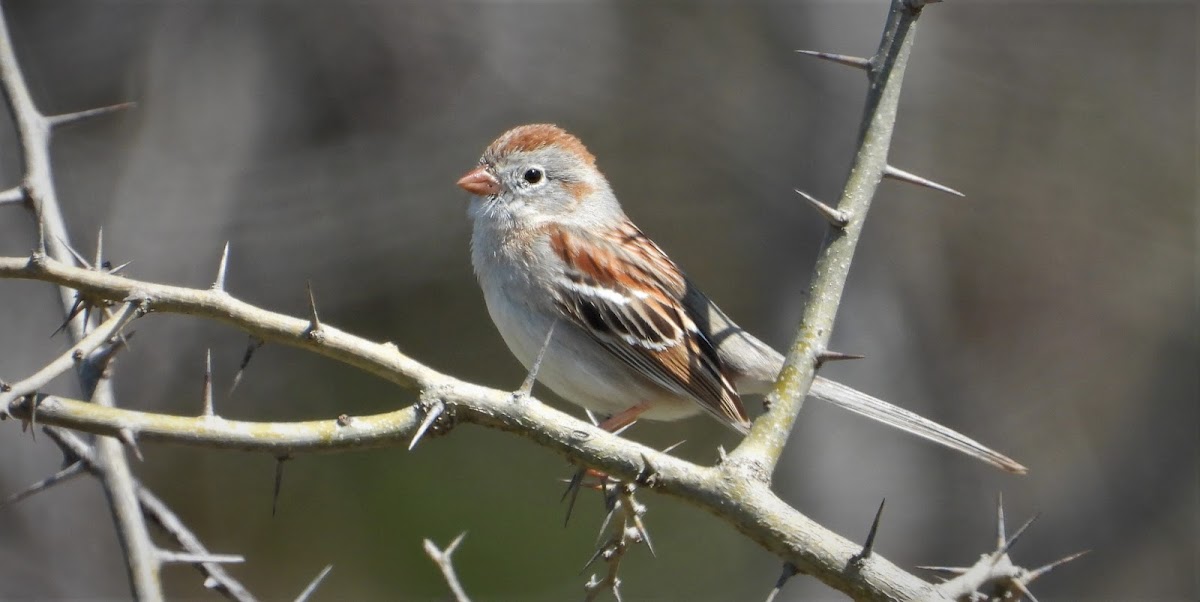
(1051, 314)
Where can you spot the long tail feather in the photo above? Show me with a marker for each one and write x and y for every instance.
(882, 411)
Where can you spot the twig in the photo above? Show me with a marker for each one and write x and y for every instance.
(442, 558)
(995, 575)
(68, 472)
(33, 131)
(629, 531)
(216, 578)
(760, 451)
(753, 508)
(141, 555)
(71, 358)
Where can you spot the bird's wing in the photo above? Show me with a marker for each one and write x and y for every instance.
(623, 290)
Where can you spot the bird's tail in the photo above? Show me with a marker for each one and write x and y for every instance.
(882, 411)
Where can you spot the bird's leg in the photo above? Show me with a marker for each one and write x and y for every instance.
(624, 418)
(613, 424)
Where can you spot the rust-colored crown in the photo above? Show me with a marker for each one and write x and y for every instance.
(539, 135)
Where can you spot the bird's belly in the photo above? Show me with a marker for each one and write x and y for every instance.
(576, 366)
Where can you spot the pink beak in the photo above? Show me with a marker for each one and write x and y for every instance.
(479, 182)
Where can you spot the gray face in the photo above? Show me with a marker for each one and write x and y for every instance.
(546, 180)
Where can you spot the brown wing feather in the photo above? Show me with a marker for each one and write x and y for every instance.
(626, 292)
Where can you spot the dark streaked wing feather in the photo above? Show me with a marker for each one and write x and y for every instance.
(628, 294)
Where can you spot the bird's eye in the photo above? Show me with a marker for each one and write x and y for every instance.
(533, 175)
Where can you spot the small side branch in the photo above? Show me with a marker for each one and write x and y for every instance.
(72, 358)
(995, 576)
(33, 132)
(68, 472)
(444, 562)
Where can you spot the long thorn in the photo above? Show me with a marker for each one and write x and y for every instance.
(604, 525)
(314, 321)
(599, 552)
(1020, 587)
(77, 307)
(129, 439)
(645, 534)
(119, 268)
(1034, 574)
(254, 344)
(99, 249)
(208, 388)
(573, 487)
(82, 262)
(896, 173)
(869, 545)
(312, 585)
(668, 449)
(33, 406)
(837, 356)
(835, 217)
(789, 571)
(190, 558)
(527, 386)
(952, 570)
(1015, 536)
(1001, 536)
(77, 116)
(219, 282)
(431, 415)
(66, 474)
(842, 59)
(454, 544)
(278, 482)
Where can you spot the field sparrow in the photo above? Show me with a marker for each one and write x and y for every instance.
(633, 337)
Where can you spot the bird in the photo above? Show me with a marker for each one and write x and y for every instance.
(626, 333)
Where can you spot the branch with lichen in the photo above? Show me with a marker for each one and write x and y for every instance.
(92, 355)
(736, 489)
(724, 489)
(762, 448)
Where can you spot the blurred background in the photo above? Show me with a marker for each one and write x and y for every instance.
(1051, 314)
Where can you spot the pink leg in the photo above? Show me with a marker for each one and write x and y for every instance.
(611, 424)
(625, 417)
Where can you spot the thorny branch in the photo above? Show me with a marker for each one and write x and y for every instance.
(216, 578)
(92, 360)
(736, 491)
(34, 130)
(625, 531)
(751, 506)
(761, 449)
